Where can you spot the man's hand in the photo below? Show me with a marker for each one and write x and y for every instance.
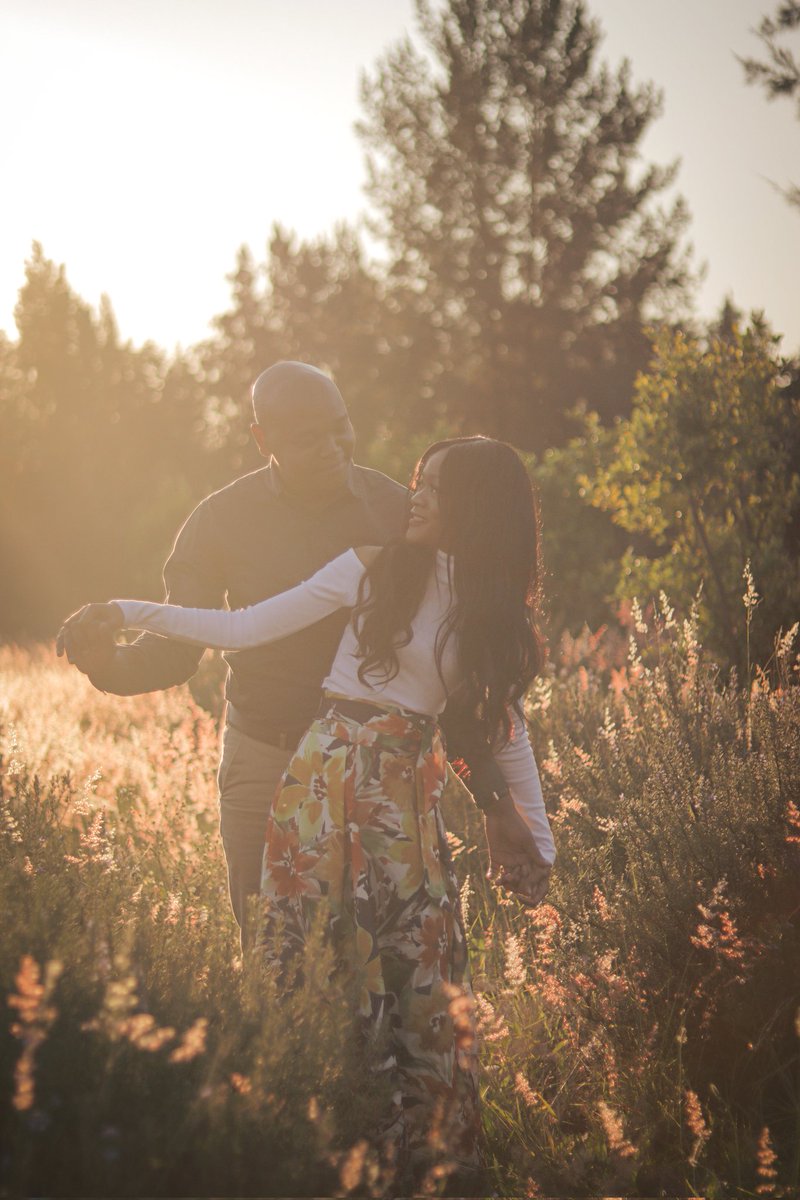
(87, 637)
(515, 861)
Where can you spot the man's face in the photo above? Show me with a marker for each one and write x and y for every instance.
(312, 443)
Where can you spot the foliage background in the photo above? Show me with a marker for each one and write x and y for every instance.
(640, 1031)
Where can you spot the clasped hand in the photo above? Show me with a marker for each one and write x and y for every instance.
(515, 861)
(88, 635)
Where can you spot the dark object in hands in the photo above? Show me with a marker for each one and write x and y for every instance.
(88, 631)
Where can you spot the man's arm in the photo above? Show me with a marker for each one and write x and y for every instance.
(192, 576)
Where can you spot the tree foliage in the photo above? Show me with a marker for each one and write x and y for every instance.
(779, 74)
(708, 467)
(524, 236)
(316, 301)
(103, 454)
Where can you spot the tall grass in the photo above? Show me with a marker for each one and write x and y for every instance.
(640, 1031)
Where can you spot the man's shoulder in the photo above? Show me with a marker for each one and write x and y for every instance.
(375, 483)
(239, 491)
(228, 504)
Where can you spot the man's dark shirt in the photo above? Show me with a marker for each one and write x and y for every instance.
(243, 544)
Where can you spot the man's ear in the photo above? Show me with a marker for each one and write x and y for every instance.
(260, 439)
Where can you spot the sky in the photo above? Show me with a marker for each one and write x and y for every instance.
(144, 141)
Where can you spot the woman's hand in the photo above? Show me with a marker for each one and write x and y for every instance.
(88, 631)
(514, 858)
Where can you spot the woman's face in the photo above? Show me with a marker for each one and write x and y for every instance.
(425, 522)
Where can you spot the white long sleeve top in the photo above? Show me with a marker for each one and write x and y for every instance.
(417, 684)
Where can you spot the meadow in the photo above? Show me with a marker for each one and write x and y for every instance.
(639, 1031)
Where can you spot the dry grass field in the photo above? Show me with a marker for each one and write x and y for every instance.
(640, 1031)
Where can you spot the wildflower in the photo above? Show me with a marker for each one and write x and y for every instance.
(615, 1133)
(766, 1159)
(619, 680)
(610, 1068)
(600, 903)
(515, 972)
(464, 898)
(696, 1124)
(9, 820)
(15, 765)
(634, 657)
(639, 622)
(35, 1019)
(667, 612)
(142, 1032)
(545, 920)
(174, 906)
(582, 982)
(524, 1089)
(551, 764)
(455, 844)
(461, 1008)
(491, 1026)
(352, 1169)
(609, 729)
(718, 931)
(552, 991)
(691, 643)
(540, 695)
(96, 846)
(192, 1043)
(784, 647)
(568, 803)
(90, 785)
(793, 819)
(751, 597)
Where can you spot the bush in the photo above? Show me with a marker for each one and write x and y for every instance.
(639, 1030)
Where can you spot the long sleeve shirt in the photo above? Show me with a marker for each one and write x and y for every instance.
(243, 544)
(418, 685)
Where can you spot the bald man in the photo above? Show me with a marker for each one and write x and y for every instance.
(262, 534)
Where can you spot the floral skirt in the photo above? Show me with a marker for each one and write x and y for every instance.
(355, 827)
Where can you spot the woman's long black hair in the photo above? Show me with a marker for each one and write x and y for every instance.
(490, 526)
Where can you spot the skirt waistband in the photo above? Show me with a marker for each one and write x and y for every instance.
(398, 720)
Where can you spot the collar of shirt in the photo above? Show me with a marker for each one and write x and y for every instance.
(276, 487)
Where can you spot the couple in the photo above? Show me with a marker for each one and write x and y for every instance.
(395, 610)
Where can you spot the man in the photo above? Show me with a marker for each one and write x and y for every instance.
(262, 534)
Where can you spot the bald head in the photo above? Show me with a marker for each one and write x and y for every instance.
(302, 426)
(287, 386)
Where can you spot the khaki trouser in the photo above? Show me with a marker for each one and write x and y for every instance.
(248, 777)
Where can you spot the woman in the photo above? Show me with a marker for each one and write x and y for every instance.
(446, 613)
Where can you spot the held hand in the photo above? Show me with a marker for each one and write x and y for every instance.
(87, 637)
(515, 861)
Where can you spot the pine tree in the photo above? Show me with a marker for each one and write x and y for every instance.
(779, 75)
(102, 456)
(526, 248)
